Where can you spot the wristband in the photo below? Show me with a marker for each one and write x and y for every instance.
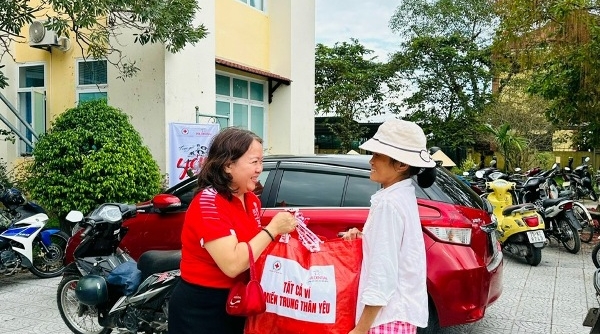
(269, 233)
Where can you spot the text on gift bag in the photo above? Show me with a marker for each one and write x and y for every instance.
(299, 293)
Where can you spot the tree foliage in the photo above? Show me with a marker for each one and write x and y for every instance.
(91, 155)
(508, 141)
(94, 22)
(558, 42)
(444, 66)
(350, 86)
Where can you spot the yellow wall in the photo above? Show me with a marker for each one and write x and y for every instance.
(242, 33)
(60, 73)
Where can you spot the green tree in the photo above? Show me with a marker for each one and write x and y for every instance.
(556, 42)
(91, 155)
(93, 23)
(508, 142)
(444, 66)
(350, 86)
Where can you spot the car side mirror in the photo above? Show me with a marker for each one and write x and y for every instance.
(166, 202)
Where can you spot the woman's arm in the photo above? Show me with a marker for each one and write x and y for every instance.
(231, 256)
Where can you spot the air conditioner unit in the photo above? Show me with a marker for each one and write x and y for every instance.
(40, 36)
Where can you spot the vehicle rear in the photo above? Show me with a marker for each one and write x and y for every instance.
(463, 257)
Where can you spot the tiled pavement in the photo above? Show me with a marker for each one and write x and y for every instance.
(551, 298)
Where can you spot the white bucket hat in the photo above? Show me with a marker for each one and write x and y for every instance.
(401, 140)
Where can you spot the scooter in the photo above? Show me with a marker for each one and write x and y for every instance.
(591, 319)
(25, 241)
(580, 180)
(520, 229)
(104, 289)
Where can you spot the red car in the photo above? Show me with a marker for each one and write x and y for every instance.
(464, 264)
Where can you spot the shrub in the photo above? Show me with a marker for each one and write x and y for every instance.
(91, 155)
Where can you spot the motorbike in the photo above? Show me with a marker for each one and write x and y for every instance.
(580, 180)
(557, 212)
(25, 242)
(104, 289)
(591, 319)
(520, 229)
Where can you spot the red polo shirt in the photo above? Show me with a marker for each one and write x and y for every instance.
(211, 216)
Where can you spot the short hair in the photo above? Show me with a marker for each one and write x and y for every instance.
(226, 147)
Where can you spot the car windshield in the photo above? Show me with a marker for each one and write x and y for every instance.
(449, 189)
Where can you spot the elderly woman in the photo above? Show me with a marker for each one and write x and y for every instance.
(392, 293)
(222, 218)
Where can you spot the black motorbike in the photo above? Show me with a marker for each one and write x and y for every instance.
(104, 288)
(580, 180)
(591, 319)
(558, 213)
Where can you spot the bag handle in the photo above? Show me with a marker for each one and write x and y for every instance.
(251, 261)
(308, 238)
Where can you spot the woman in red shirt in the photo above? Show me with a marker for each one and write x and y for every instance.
(223, 216)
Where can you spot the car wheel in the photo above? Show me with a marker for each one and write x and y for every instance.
(433, 324)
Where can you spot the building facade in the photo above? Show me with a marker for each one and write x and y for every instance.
(255, 69)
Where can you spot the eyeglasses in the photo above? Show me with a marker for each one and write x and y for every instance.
(425, 156)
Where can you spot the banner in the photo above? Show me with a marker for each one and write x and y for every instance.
(188, 148)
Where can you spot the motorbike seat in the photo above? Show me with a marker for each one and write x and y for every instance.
(512, 208)
(157, 261)
(553, 201)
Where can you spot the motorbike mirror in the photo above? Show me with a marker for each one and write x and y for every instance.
(465, 173)
(479, 174)
(517, 169)
(587, 159)
(74, 216)
(567, 169)
(554, 166)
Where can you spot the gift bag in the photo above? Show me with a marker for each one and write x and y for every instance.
(310, 286)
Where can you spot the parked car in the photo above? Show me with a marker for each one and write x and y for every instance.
(464, 264)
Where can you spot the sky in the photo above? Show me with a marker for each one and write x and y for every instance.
(365, 20)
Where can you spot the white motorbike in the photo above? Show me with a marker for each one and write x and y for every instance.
(25, 242)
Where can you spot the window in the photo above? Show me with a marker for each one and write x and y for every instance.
(243, 101)
(258, 4)
(92, 80)
(300, 189)
(31, 104)
(359, 191)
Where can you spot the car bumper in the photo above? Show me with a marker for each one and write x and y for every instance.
(460, 285)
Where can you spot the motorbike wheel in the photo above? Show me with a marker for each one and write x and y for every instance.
(80, 319)
(534, 256)
(50, 263)
(587, 227)
(596, 256)
(569, 237)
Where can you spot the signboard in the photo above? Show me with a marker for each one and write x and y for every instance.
(188, 148)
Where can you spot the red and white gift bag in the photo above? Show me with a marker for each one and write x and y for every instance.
(310, 285)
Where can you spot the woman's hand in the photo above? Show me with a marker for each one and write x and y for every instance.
(352, 233)
(282, 222)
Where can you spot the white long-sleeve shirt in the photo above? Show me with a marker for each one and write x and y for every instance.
(393, 272)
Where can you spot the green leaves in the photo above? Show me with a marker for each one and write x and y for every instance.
(445, 66)
(351, 85)
(91, 155)
(96, 24)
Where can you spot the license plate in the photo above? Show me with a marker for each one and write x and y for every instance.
(566, 184)
(536, 236)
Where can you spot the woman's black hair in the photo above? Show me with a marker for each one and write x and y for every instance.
(426, 177)
(226, 147)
